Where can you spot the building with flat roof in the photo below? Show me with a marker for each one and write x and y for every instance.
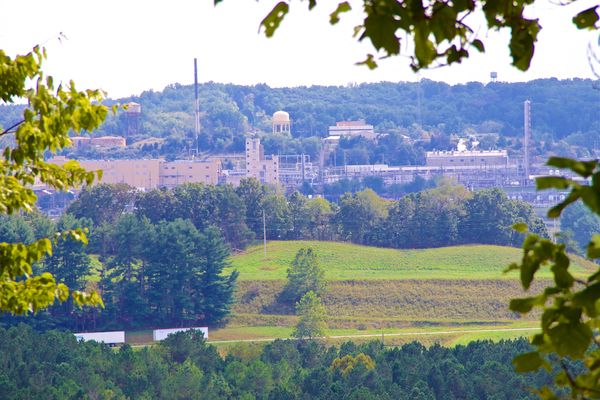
(105, 142)
(353, 129)
(467, 158)
(152, 173)
(175, 173)
(265, 169)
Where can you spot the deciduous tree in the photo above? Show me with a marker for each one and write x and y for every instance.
(304, 275)
(439, 32)
(311, 314)
(52, 112)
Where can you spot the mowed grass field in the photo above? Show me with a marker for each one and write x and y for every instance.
(345, 261)
(405, 295)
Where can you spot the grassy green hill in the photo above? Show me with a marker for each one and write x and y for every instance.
(386, 291)
(345, 261)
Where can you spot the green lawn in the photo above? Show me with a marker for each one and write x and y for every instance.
(449, 334)
(344, 261)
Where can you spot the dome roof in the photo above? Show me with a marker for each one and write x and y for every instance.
(281, 116)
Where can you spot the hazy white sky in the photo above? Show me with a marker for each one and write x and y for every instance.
(126, 47)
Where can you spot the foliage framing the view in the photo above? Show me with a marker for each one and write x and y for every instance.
(571, 308)
(441, 36)
(50, 115)
(440, 30)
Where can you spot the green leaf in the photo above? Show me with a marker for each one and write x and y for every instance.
(520, 227)
(570, 339)
(528, 362)
(593, 248)
(586, 19)
(562, 277)
(525, 305)
(272, 21)
(582, 168)
(478, 44)
(522, 41)
(587, 299)
(343, 7)
(424, 48)
(546, 393)
(369, 62)
(528, 270)
(552, 182)
(381, 30)
(555, 211)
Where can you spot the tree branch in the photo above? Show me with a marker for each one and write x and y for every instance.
(9, 130)
(574, 385)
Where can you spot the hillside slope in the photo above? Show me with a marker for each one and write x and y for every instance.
(346, 261)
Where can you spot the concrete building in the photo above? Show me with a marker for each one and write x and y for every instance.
(353, 129)
(141, 174)
(282, 123)
(175, 173)
(108, 142)
(468, 158)
(105, 142)
(80, 142)
(154, 173)
(265, 169)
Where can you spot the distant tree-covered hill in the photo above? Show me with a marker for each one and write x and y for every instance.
(565, 114)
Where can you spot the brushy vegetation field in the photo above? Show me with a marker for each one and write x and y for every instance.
(345, 261)
(375, 290)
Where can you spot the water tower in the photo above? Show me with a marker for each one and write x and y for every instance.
(132, 118)
(494, 76)
(281, 122)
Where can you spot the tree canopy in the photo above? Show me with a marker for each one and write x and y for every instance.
(440, 32)
(52, 112)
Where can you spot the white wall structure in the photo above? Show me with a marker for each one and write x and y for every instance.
(353, 129)
(114, 337)
(161, 334)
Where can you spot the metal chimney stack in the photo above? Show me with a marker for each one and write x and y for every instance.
(527, 138)
(197, 105)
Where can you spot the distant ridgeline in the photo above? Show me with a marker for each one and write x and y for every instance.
(563, 110)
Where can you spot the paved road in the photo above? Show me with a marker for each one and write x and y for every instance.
(377, 335)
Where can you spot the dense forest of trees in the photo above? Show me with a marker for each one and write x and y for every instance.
(149, 275)
(413, 116)
(157, 257)
(53, 365)
(442, 216)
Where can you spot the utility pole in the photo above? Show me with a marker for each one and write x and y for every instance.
(265, 234)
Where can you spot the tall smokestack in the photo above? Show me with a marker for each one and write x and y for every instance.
(197, 105)
(527, 138)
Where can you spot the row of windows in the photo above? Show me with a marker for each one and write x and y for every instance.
(180, 176)
(472, 160)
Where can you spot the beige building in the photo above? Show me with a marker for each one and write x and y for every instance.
(106, 142)
(265, 169)
(178, 172)
(151, 174)
(353, 129)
